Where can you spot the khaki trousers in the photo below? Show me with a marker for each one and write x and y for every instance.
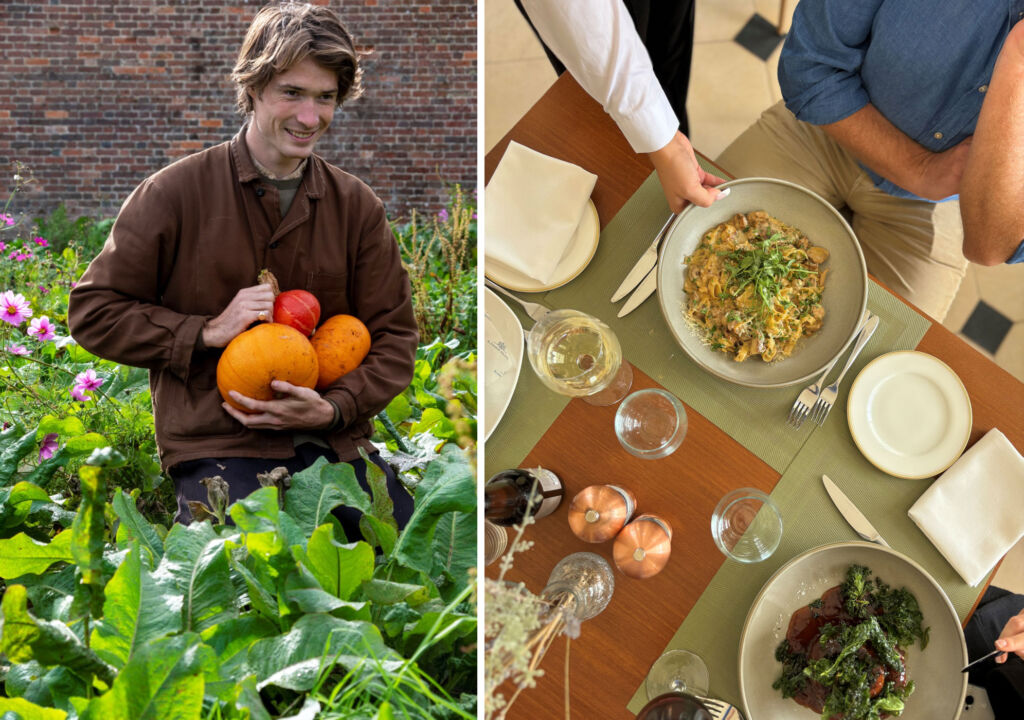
(912, 246)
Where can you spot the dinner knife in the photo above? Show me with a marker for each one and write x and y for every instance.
(644, 265)
(851, 514)
(983, 658)
(643, 291)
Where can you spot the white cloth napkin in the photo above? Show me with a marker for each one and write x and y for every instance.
(533, 205)
(973, 513)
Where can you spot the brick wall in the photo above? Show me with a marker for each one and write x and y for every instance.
(96, 96)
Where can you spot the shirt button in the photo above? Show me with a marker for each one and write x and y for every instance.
(937, 136)
(983, 88)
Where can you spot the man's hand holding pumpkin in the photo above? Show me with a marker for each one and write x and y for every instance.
(295, 408)
(249, 305)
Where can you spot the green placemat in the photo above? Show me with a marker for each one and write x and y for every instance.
(712, 628)
(747, 415)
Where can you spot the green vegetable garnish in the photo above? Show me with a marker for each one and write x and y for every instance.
(856, 648)
(764, 267)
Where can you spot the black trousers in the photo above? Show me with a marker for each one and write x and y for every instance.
(1004, 683)
(666, 29)
(240, 474)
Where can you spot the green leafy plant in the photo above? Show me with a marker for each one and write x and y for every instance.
(440, 256)
(277, 612)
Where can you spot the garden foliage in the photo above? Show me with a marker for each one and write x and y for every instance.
(108, 614)
(274, 613)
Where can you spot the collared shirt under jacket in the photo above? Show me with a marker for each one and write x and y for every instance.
(195, 233)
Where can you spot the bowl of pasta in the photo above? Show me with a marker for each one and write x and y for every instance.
(764, 288)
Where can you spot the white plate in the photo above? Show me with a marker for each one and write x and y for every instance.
(846, 290)
(909, 414)
(940, 686)
(577, 256)
(503, 357)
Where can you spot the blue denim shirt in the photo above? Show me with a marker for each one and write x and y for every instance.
(925, 65)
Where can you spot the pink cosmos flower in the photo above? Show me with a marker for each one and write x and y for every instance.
(6, 219)
(14, 308)
(42, 329)
(85, 381)
(17, 350)
(48, 448)
(3, 246)
(41, 242)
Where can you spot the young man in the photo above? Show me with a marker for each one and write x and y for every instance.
(176, 280)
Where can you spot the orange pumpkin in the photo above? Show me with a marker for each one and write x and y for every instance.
(340, 344)
(266, 352)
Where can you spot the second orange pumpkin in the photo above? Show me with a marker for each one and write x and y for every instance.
(341, 344)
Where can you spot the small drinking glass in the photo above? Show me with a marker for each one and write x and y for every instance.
(578, 355)
(746, 525)
(651, 423)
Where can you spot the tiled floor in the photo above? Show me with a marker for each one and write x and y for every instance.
(729, 88)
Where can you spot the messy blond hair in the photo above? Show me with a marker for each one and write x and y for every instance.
(286, 33)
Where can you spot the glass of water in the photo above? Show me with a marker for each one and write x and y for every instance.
(746, 525)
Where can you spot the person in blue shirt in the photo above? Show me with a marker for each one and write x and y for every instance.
(992, 192)
(880, 103)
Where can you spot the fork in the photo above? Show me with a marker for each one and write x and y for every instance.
(828, 396)
(719, 709)
(534, 310)
(809, 395)
(807, 398)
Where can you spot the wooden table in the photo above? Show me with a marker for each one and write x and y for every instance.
(615, 649)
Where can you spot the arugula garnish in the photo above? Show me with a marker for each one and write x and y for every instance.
(764, 267)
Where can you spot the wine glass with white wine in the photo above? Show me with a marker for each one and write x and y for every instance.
(576, 354)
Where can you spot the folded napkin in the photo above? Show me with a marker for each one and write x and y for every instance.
(973, 512)
(533, 205)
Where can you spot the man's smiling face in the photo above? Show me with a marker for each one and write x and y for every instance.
(290, 115)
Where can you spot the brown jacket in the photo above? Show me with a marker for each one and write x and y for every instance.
(194, 234)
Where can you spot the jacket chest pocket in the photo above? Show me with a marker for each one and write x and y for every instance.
(331, 290)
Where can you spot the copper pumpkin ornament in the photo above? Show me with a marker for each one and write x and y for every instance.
(599, 512)
(642, 549)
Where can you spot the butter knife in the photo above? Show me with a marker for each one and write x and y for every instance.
(644, 265)
(851, 514)
(643, 291)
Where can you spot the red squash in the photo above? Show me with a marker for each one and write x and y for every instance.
(298, 309)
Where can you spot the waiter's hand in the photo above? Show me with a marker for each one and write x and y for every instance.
(249, 305)
(1011, 639)
(682, 178)
(295, 408)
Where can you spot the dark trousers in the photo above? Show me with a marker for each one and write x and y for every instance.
(240, 474)
(666, 29)
(1004, 683)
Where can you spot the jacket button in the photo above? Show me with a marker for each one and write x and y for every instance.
(938, 136)
(275, 244)
(260, 192)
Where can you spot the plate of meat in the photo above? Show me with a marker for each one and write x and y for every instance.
(853, 631)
